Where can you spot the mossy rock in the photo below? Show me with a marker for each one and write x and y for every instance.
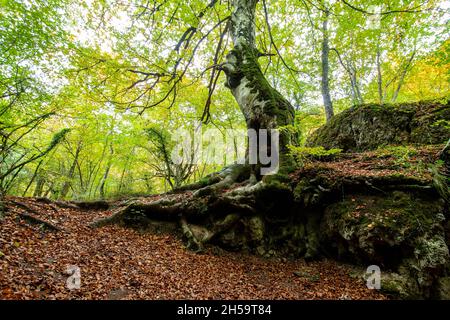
(399, 286)
(256, 228)
(443, 288)
(431, 123)
(431, 252)
(380, 228)
(234, 239)
(367, 127)
(403, 233)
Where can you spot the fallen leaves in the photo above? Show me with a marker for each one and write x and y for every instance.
(118, 263)
(367, 165)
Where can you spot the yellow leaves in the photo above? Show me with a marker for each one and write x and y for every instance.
(429, 77)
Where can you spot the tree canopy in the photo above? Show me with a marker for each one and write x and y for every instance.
(91, 91)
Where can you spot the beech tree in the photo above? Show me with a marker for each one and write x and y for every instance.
(123, 67)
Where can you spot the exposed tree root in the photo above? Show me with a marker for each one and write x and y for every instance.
(23, 206)
(92, 205)
(33, 219)
(205, 211)
(194, 242)
(201, 210)
(225, 179)
(44, 200)
(444, 153)
(61, 204)
(30, 216)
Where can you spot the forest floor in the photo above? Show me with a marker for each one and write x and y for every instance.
(120, 263)
(408, 162)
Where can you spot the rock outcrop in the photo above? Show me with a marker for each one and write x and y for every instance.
(367, 127)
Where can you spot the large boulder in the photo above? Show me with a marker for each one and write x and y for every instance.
(400, 232)
(369, 208)
(366, 127)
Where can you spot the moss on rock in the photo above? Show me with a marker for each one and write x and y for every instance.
(399, 231)
(443, 288)
(366, 127)
(373, 222)
(399, 286)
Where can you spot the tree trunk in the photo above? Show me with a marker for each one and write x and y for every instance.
(105, 175)
(379, 76)
(40, 181)
(262, 106)
(350, 68)
(402, 77)
(125, 172)
(227, 200)
(66, 186)
(357, 97)
(32, 178)
(325, 83)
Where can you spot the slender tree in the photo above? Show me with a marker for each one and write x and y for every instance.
(325, 83)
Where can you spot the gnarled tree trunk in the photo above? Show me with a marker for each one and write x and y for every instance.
(223, 208)
(262, 106)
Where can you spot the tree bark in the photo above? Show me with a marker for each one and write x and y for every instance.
(379, 76)
(106, 174)
(66, 186)
(32, 178)
(262, 106)
(325, 83)
(402, 77)
(40, 181)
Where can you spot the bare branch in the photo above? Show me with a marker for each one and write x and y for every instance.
(410, 10)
